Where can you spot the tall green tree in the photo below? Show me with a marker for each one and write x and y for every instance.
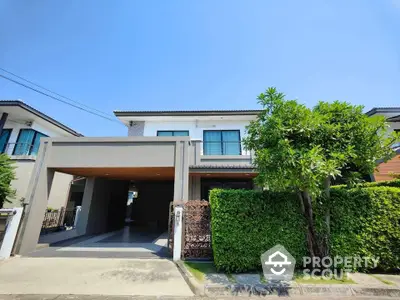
(303, 150)
(7, 173)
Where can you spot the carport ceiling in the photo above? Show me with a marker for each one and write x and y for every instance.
(123, 173)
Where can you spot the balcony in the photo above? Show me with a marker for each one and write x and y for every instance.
(21, 150)
(219, 153)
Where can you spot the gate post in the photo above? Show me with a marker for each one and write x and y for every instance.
(77, 213)
(177, 233)
(10, 235)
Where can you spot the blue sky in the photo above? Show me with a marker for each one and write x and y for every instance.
(178, 55)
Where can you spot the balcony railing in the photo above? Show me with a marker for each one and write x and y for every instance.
(222, 148)
(21, 149)
(227, 153)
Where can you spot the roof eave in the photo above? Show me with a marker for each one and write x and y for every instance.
(186, 113)
(39, 114)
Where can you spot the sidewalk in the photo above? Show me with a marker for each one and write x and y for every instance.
(91, 276)
(102, 297)
(358, 285)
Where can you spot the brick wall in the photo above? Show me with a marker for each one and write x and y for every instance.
(384, 169)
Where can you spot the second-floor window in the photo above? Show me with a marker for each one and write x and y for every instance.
(28, 142)
(221, 142)
(4, 137)
(173, 133)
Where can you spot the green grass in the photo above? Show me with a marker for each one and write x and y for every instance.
(388, 282)
(299, 278)
(200, 269)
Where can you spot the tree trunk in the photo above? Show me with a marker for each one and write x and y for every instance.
(314, 247)
(327, 192)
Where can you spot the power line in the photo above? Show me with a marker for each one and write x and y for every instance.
(58, 99)
(48, 90)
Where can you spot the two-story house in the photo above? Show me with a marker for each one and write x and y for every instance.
(21, 129)
(392, 115)
(167, 157)
(217, 156)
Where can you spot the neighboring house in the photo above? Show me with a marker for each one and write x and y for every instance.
(21, 129)
(392, 115)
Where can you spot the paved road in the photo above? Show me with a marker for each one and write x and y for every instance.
(91, 276)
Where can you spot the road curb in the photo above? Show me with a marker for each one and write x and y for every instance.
(197, 288)
(298, 290)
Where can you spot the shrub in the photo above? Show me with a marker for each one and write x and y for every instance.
(246, 223)
(391, 183)
(6, 175)
(365, 222)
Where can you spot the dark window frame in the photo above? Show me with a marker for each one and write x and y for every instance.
(223, 183)
(33, 140)
(9, 130)
(173, 132)
(222, 142)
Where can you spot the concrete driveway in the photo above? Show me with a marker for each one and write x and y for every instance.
(91, 276)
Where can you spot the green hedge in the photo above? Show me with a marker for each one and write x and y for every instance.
(246, 223)
(364, 222)
(391, 183)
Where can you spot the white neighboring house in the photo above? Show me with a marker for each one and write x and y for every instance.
(21, 128)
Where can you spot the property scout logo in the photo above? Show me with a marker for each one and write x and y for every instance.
(278, 264)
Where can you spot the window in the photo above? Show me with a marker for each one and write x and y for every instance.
(28, 142)
(221, 142)
(4, 137)
(173, 133)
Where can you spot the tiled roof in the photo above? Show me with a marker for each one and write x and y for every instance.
(120, 113)
(394, 119)
(221, 167)
(382, 110)
(34, 111)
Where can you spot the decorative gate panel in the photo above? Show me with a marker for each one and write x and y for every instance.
(197, 230)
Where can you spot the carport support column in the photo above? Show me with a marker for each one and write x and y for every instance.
(37, 198)
(85, 208)
(181, 183)
(178, 213)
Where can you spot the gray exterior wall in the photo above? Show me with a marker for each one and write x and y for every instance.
(59, 193)
(194, 188)
(82, 152)
(109, 152)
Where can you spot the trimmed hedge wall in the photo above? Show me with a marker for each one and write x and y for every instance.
(366, 222)
(245, 223)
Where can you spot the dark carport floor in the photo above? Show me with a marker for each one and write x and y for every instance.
(130, 242)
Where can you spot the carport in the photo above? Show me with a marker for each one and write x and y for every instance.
(157, 165)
